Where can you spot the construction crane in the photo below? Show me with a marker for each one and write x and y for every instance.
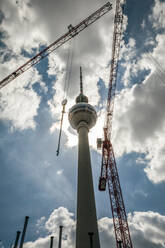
(73, 31)
(109, 172)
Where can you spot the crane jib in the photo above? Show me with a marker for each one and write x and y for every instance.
(73, 31)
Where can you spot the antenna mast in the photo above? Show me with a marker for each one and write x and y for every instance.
(81, 83)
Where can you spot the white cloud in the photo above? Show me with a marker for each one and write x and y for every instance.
(20, 26)
(133, 131)
(149, 60)
(19, 104)
(139, 124)
(59, 172)
(158, 52)
(40, 242)
(60, 216)
(158, 13)
(40, 225)
(128, 52)
(41, 221)
(146, 228)
(95, 42)
(106, 232)
(17, 108)
(154, 60)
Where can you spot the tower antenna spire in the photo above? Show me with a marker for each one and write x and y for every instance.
(81, 83)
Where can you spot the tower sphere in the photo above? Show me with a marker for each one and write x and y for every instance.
(82, 111)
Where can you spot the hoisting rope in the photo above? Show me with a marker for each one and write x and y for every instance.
(68, 67)
(66, 88)
(64, 102)
(158, 67)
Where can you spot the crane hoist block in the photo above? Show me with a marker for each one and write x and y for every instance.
(102, 183)
(99, 143)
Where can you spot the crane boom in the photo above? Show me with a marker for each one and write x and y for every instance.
(109, 173)
(73, 31)
(118, 24)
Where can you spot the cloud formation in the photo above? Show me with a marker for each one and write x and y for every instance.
(35, 31)
(19, 101)
(139, 122)
(138, 117)
(146, 228)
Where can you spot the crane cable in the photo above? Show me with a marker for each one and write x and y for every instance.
(68, 67)
(66, 88)
(159, 70)
(158, 67)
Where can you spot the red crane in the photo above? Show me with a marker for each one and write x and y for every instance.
(109, 173)
(108, 170)
(73, 31)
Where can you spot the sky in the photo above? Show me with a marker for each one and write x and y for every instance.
(33, 180)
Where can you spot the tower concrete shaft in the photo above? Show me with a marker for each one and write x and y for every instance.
(82, 117)
(86, 210)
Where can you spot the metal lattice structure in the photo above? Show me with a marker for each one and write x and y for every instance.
(109, 173)
(73, 31)
(117, 203)
(122, 234)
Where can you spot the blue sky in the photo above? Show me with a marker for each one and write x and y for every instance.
(33, 180)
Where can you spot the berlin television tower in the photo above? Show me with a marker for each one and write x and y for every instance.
(82, 117)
